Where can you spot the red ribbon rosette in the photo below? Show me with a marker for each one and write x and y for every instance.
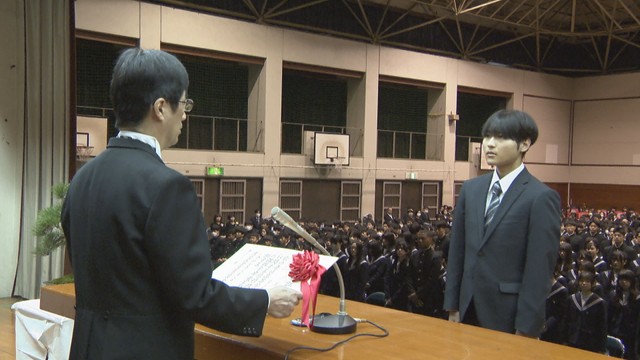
(306, 268)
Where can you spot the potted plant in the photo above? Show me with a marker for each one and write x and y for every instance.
(48, 229)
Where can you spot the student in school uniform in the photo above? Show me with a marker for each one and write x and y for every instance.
(609, 278)
(587, 317)
(595, 231)
(587, 267)
(567, 265)
(426, 294)
(557, 303)
(623, 312)
(593, 254)
(379, 267)
(329, 284)
(398, 284)
(576, 240)
(618, 244)
(357, 272)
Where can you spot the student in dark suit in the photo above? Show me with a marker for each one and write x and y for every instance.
(424, 285)
(137, 238)
(504, 239)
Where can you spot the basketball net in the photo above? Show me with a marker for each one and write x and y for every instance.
(83, 153)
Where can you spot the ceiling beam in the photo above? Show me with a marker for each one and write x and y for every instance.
(295, 8)
(605, 67)
(405, 14)
(254, 11)
(573, 16)
(503, 43)
(479, 6)
(366, 27)
(606, 13)
(414, 27)
(633, 16)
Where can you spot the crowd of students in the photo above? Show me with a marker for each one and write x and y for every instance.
(401, 263)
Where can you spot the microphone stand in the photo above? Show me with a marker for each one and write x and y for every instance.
(340, 323)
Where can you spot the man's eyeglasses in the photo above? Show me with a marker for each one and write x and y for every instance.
(188, 105)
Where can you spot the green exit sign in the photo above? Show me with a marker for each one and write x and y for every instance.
(215, 171)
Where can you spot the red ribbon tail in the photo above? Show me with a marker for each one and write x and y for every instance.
(315, 286)
(306, 295)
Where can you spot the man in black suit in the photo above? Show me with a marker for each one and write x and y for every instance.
(137, 238)
(256, 219)
(388, 216)
(504, 240)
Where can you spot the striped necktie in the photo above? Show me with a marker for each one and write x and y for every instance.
(496, 190)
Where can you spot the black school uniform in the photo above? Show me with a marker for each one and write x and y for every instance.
(623, 321)
(556, 312)
(398, 286)
(379, 276)
(586, 323)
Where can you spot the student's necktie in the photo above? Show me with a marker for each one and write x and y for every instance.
(496, 190)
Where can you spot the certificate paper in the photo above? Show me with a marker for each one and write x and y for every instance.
(261, 267)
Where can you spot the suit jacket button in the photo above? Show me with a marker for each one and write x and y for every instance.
(480, 253)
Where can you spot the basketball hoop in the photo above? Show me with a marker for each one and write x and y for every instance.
(83, 153)
(337, 163)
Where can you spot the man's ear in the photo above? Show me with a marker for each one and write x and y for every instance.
(158, 108)
(524, 145)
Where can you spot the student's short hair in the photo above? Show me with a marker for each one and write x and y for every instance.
(424, 234)
(626, 274)
(571, 222)
(620, 229)
(586, 266)
(511, 124)
(591, 241)
(401, 244)
(618, 255)
(375, 249)
(139, 78)
(588, 276)
(593, 221)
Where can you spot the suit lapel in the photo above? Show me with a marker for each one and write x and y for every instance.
(510, 197)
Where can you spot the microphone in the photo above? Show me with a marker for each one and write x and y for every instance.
(341, 323)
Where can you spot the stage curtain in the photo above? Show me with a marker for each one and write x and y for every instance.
(45, 132)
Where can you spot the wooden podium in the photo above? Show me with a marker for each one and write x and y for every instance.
(410, 337)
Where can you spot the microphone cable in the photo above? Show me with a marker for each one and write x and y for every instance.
(385, 333)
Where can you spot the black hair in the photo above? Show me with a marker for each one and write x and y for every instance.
(588, 276)
(140, 77)
(593, 241)
(375, 249)
(620, 229)
(511, 124)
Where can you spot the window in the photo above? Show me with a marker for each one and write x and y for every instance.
(311, 102)
(198, 185)
(232, 199)
(291, 198)
(350, 200)
(391, 197)
(431, 196)
(457, 186)
(474, 108)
